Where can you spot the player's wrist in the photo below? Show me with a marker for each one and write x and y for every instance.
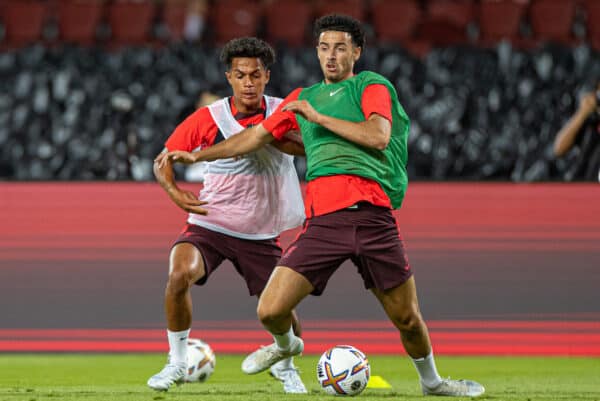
(171, 189)
(197, 156)
(319, 118)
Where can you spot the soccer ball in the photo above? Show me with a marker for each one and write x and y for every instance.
(343, 370)
(201, 361)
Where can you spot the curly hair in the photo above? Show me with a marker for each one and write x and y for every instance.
(341, 23)
(248, 47)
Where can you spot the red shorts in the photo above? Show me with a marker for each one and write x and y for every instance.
(254, 260)
(367, 235)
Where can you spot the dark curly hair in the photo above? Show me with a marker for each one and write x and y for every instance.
(248, 47)
(341, 23)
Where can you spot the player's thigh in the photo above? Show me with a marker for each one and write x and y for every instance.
(323, 245)
(381, 258)
(197, 252)
(186, 258)
(285, 289)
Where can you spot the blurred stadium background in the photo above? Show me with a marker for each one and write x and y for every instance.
(90, 89)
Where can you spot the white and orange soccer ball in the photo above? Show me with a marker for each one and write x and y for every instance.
(343, 370)
(201, 361)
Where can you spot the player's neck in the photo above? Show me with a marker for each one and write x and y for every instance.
(246, 109)
(327, 81)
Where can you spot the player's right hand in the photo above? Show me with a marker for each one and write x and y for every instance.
(588, 103)
(176, 156)
(187, 201)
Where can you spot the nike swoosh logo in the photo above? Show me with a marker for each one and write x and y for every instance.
(335, 91)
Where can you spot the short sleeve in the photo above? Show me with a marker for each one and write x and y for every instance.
(280, 122)
(197, 130)
(376, 99)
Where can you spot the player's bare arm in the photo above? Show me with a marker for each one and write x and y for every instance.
(372, 133)
(246, 141)
(186, 200)
(566, 136)
(291, 144)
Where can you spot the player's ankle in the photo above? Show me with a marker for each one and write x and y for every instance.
(284, 341)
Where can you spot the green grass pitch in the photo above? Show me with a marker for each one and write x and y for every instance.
(93, 377)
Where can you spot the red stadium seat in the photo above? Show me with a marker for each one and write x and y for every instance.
(446, 21)
(174, 13)
(23, 21)
(131, 21)
(500, 20)
(288, 21)
(552, 20)
(235, 18)
(78, 20)
(592, 11)
(458, 12)
(353, 8)
(395, 21)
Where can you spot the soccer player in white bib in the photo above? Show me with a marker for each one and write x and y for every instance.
(245, 204)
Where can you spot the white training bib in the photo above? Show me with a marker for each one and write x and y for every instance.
(256, 196)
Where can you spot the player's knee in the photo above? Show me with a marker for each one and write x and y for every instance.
(179, 281)
(408, 321)
(269, 314)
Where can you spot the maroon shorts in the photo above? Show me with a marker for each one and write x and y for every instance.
(368, 236)
(254, 260)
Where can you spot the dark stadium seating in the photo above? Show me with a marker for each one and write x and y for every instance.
(476, 113)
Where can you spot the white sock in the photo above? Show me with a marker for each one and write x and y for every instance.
(284, 340)
(178, 346)
(427, 371)
(287, 363)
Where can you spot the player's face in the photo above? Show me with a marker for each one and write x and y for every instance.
(337, 55)
(248, 78)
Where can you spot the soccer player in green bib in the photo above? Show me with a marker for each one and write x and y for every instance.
(354, 132)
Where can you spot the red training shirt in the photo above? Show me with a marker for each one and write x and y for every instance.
(199, 128)
(330, 193)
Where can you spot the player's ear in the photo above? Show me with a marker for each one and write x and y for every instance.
(357, 52)
(267, 76)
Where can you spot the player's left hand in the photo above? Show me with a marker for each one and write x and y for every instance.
(303, 108)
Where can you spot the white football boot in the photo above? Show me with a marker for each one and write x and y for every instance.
(288, 374)
(169, 375)
(266, 356)
(455, 388)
